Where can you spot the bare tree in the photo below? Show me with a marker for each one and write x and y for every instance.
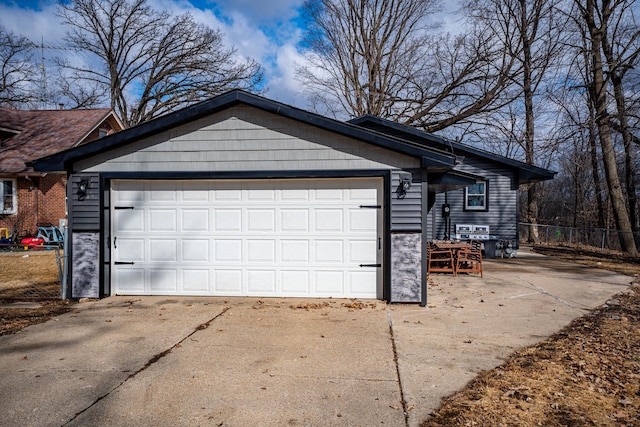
(18, 72)
(362, 52)
(529, 33)
(595, 18)
(621, 48)
(151, 62)
(378, 57)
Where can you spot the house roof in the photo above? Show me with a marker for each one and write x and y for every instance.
(26, 135)
(526, 173)
(432, 158)
(436, 154)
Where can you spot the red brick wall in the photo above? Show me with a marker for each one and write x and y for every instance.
(40, 200)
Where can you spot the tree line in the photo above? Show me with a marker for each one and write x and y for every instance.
(552, 83)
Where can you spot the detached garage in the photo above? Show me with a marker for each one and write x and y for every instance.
(244, 196)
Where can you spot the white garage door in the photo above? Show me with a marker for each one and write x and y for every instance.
(302, 238)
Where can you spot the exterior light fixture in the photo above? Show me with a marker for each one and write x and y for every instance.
(82, 189)
(403, 187)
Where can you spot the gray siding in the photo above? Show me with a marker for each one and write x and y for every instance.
(84, 215)
(406, 214)
(502, 216)
(243, 138)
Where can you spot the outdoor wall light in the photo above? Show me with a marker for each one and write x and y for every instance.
(82, 189)
(403, 186)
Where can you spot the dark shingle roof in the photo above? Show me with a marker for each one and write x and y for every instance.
(31, 134)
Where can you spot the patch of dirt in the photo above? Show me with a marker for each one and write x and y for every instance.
(587, 374)
(13, 320)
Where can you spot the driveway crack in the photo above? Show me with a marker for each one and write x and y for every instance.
(150, 362)
(403, 401)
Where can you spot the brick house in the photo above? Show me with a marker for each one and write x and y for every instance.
(28, 197)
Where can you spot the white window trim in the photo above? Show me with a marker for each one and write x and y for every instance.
(480, 208)
(14, 202)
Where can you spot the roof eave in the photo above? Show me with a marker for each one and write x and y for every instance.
(64, 159)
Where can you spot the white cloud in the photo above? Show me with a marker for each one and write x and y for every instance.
(33, 24)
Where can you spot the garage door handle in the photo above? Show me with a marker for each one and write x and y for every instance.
(124, 263)
(371, 265)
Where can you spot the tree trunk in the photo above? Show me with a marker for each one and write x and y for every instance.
(599, 99)
(617, 72)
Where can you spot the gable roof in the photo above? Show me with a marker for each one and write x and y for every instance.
(26, 135)
(432, 158)
(526, 173)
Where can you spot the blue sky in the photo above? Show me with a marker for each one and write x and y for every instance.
(265, 30)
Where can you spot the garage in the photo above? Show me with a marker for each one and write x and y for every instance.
(268, 238)
(241, 195)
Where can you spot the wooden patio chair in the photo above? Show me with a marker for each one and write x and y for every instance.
(470, 260)
(440, 260)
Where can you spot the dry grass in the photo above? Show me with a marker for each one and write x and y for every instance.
(588, 374)
(29, 276)
(33, 267)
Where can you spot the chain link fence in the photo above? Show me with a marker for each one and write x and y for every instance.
(601, 238)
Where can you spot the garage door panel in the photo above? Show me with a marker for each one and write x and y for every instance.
(129, 192)
(195, 220)
(195, 250)
(130, 249)
(261, 220)
(295, 282)
(163, 280)
(228, 220)
(329, 251)
(261, 195)
(293, 220)
(261, 251)
(195, 280)
(162, 191)
(362, 220)
(329, 194)
(129, 220)
(329, 283)
(360, 283)
(261, 238)
(130, 279)
(294, 251)
(262, 282)
(163, 220)
(228, 282)
(329, 220)
(228, 251)
(287, 195)
(362, 251)
(163, 250)
(363, 194)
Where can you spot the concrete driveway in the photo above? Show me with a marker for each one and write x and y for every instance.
(167, 361)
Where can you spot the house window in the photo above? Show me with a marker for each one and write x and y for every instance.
(8, 192)
(102, 132)
(475, 197)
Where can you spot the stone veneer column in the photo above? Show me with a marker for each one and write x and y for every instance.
(406, 267)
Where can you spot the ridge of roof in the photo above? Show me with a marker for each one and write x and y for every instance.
(62, 160)
(455, 145)
(39, 133)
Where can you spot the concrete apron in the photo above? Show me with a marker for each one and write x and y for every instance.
(207, 361)
(244, 361)
(472, 324)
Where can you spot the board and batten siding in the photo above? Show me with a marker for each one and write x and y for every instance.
(243, 138)
(502, 216)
